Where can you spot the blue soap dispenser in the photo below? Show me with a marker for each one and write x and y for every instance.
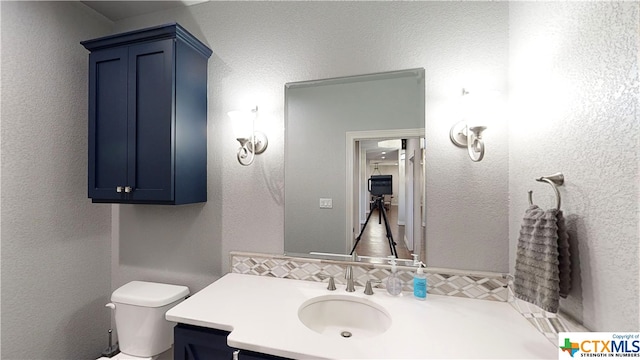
(420, 284)
(394, 284)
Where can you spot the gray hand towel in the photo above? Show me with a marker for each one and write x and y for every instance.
(540, 257)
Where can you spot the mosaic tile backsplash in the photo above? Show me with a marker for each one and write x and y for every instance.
(474, 285)
(467, 284)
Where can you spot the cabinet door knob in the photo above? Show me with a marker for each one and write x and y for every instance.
(119, 189)
(236, 355)
(128, 189)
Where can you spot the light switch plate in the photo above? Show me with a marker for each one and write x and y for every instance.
(326, 203)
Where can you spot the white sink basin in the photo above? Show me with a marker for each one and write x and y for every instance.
(344, 316)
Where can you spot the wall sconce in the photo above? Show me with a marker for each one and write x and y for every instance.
(251, 142)
(463, 135)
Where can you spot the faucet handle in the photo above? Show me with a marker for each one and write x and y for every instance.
(368, 290)
(332, 284)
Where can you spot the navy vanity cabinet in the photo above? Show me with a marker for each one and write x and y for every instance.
(199, 343)
(148, 117)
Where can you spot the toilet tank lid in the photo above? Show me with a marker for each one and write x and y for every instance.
(149, 294)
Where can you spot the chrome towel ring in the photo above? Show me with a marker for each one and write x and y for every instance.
(554, 180)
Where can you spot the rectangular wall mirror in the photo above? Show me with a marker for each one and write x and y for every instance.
(354, 150)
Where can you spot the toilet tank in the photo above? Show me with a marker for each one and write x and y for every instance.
(140, 308)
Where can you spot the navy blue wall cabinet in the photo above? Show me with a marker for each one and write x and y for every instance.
(199, 343)
(148, 117)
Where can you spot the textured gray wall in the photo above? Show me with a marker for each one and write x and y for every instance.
(574, 91)
(55, 243)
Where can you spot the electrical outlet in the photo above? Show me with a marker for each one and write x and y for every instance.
(326, 203)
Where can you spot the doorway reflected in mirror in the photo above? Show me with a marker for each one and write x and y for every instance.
(385, 203)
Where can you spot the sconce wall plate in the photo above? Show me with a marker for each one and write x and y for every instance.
(260, 142)
(458, 134)
(470, 137)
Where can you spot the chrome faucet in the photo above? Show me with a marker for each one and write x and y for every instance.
(348, 274)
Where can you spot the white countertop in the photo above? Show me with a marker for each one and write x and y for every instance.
(262, 315)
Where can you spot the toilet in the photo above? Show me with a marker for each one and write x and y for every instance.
(140, 307)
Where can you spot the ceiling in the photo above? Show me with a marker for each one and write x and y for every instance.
(380, 153)
(118, 10)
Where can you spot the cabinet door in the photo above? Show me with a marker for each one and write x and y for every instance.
(151, 132)
(195, 343)
(107, 123)
(199, 343)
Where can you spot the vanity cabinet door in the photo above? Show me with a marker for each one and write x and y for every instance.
(196, 343)
(199, 343)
